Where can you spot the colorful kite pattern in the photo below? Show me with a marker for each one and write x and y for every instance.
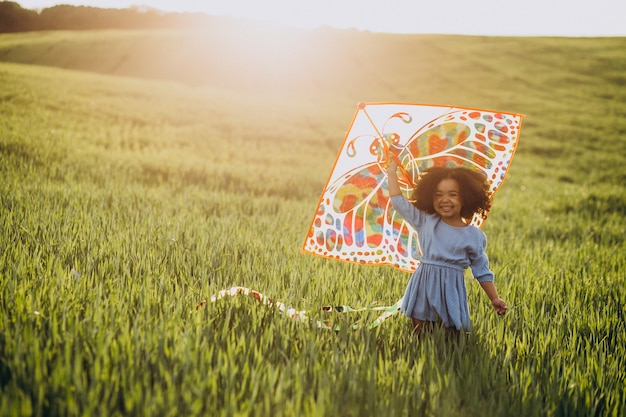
(354, 220)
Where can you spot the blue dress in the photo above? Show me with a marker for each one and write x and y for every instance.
(436, 290)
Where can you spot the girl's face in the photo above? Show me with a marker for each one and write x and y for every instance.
(447, 200)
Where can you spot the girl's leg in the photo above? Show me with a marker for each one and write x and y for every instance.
(418, 326)
(452, 334)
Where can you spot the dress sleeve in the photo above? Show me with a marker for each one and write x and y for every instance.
(409, 212)
(479, 262)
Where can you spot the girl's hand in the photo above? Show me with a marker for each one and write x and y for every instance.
(392, 177)
(499, 305)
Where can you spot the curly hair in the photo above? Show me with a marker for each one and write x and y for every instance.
(473, 187)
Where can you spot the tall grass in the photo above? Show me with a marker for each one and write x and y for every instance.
(125, 202)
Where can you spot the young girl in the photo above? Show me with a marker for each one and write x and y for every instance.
(445, 201)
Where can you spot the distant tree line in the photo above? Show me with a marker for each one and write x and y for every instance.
(14, 18)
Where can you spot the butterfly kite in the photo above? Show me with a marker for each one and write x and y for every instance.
(355, 221)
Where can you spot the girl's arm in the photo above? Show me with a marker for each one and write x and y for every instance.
(392, 179)
(492, 293)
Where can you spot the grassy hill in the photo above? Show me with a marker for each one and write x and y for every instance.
(572, 90)
(143, 171)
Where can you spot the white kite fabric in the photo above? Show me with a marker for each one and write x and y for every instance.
(354, 220)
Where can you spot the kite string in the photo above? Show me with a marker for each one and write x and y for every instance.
(301, 315)
(404, 174)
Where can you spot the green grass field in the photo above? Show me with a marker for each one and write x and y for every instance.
(144, 171)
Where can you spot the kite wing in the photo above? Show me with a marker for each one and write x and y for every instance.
(354, 220)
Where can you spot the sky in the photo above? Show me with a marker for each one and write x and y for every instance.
(572, 18)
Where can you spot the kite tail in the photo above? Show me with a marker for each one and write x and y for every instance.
(301, 315)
